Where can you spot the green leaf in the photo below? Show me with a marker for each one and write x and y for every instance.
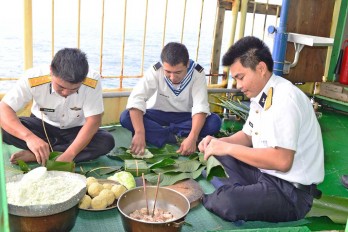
(167, 149)
(162, 163)
(198, 172)
(180, 166)
(214, 168)
(235, 107)
(169, 178)
(101, 171)
(334, 207)
(159, 157)
(60, 166)
(120, 153)
(136, 167)
(23, 166)
(54, 155)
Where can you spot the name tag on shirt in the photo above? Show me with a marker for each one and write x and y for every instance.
(46, 110)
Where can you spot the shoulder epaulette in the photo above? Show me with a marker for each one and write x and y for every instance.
(268, 102)
(36, 81)
(157, 66)
(199, 68)
(90, 82)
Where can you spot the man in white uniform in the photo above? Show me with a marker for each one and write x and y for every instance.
(277, 159)
(170, 100)
(65, 115)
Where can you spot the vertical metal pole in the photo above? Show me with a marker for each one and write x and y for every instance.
(28, 34)
(280, 40)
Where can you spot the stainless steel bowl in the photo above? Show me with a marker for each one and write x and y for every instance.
(167, 199)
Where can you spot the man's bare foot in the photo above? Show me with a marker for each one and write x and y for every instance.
(25, 155)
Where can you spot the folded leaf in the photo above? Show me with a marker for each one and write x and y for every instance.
(334, 207)
(147, 154)
(60, 166)
(215, 168)
(23, 166)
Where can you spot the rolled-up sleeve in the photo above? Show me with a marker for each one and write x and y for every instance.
(200, 95)
(141, 93)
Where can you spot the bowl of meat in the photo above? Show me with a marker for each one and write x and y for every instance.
(153, 209)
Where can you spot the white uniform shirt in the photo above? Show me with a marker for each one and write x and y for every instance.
(290, 123)
(155, 91)
(57, 111)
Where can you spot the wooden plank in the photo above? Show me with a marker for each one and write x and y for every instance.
(311, 17)
(216, 50)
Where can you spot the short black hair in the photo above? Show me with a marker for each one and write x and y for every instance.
(175, 53)
(70, 64)
(250, 51)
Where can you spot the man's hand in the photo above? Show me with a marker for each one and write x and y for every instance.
(188, 146)
(39, 148)
(138, 144)
(65, 158)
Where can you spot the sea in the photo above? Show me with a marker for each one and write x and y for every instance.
(115, 37)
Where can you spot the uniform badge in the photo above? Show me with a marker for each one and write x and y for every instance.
(262, 99)
(75, 108)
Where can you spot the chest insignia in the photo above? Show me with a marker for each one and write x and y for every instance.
(75, 108)
(268, 102)
(36, 81)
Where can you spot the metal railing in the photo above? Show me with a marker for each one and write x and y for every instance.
(184, 10)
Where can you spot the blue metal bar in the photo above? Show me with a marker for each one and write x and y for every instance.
(280, 40)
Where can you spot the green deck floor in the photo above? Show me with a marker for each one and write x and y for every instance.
(335, 136)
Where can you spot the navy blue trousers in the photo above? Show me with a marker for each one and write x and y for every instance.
(161, 127)
(60, 139)
(250, 195)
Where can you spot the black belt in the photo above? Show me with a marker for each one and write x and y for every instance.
(310, 189)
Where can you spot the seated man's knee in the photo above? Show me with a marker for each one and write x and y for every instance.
(125, 119)
(107, 143)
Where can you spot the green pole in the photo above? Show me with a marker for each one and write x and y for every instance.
(4, 223)
(341, 23)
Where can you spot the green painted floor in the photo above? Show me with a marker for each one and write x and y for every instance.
(335, 135)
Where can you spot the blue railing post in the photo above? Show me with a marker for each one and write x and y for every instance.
(280, 39)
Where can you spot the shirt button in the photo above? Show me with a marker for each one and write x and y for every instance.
(257, 111)
(256, 133)
(78, 116)
(63, 115)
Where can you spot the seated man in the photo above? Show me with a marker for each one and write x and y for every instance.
(170, 100)
(276, 160)
(66, 112)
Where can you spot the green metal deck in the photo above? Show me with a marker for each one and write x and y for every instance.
(335, 135)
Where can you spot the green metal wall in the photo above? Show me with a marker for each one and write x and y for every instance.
(341, 24)
(4, 223)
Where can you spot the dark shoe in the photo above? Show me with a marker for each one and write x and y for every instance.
(344, 180)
